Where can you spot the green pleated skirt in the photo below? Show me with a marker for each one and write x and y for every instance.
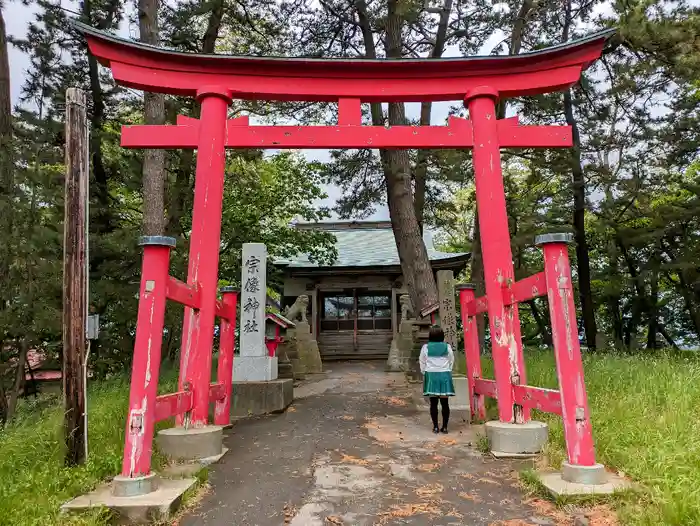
(438, 384)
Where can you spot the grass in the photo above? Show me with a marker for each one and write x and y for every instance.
(33, 481)
(643, 411)
(642, 407)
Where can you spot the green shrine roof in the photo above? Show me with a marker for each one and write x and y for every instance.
(368, 244)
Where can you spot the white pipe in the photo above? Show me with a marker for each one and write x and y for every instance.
(85, 389)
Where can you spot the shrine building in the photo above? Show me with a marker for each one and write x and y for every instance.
(354, 308)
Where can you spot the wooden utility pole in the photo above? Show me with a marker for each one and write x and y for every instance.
(75, 275)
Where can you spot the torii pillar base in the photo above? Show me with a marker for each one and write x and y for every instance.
(158, 506)
(583, 480)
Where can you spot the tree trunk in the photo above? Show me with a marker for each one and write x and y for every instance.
(7, 183)
(181, 192)
(640, 304)
(685, 290)
(582, 256)
(3, 403)
(579, 189)
(667, 336)
(653, 305)
(19, 380)
(421, 170)
(154, 112)
(413, 254)
(6, 166)
(613, 299)
(541, 325)
(103, 216)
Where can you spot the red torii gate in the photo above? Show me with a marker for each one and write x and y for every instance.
(215, 80)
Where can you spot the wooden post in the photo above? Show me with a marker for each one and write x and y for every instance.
(75, 275)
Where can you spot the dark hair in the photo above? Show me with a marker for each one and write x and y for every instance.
(436, 334)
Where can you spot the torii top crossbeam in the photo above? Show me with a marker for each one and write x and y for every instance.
(160, 70)
(348, 82)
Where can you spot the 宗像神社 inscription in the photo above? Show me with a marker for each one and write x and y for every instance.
(253, 294)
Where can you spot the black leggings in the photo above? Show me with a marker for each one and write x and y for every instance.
(445, 402)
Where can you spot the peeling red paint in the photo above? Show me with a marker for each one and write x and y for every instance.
(224, 372)
(349, 83)
(198, 330)
(495, 245)
(472, 354)
(574, 402)
(146, 363)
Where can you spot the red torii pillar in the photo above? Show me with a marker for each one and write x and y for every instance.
(480, 81)
(205, 238)
(504, 322)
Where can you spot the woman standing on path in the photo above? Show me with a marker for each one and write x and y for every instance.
(436, 361)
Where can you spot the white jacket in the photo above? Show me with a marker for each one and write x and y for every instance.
(436, 364)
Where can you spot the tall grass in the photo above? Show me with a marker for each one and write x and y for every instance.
(642, 407)
(643, 411)
(33, 481)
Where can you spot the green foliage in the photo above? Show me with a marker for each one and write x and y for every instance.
(33, 481)
(641, 412)
(261, 200)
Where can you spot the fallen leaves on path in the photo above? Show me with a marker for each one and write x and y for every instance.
(289, 513)
(291, 409)
(601, 515)
(347, 417)
(488, 481)
(393, 400)
(333, 519)
(545, 507)
(428, 468)
(429, 491)
(408, 510)
(469, 496)
(349, 459)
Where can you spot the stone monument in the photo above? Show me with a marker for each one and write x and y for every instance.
(254, 364)
(448, 309)
(400, 352)
(256, 388)
(307, 351)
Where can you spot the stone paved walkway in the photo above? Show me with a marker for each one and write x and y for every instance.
(353, 449)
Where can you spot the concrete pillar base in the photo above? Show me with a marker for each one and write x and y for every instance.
(156, 507)
(583, 480)
(195, 444)
(516, 440)
(592, 475)
(260, 398)
(134, 486)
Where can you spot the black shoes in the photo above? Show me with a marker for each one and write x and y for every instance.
(436, 430)
(443, 430)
